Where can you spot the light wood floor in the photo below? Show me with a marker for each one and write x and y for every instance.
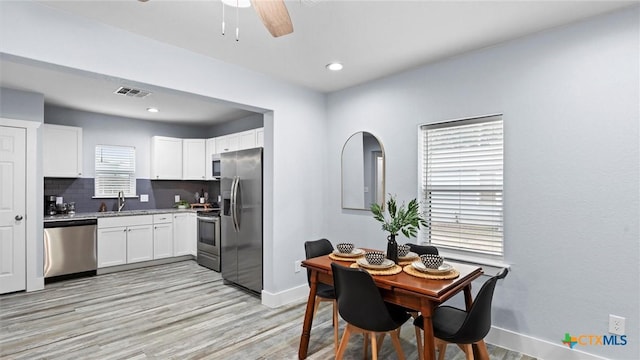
(174, 311)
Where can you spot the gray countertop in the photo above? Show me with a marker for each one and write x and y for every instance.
(96, 215)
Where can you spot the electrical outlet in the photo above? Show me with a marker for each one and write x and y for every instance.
(616, 324)
(298, 266)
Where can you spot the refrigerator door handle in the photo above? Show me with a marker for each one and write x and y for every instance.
(234, 203)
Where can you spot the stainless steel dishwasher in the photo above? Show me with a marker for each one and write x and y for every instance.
(70, 247)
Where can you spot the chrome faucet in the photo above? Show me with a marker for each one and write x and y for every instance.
(121, 200)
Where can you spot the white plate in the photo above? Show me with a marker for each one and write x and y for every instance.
(353, 253)
(410, 255)
(386, 264)
(444, 268)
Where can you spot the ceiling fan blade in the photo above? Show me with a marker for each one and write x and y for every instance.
(274, 16)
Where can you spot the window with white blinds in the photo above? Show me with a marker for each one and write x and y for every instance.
(115, 170)
(462, 174)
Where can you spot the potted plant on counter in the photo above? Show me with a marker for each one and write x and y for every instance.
(399, 219)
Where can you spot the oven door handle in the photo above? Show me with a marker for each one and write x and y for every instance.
(208, 219)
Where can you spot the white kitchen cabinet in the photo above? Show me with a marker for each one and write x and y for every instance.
(124, 239)
(61, 151)
(260, 137)
(193, 159)
(139, 243)
(226, 143)
(162, 236)
(185, 234)
(246, 139)
(112, 246)
(238, 141)
(209, 151)
(166, 158)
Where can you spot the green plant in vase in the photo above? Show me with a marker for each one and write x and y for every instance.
(398, 219)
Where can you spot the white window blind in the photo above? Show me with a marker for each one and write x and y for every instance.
(115, 170)
(462, 184)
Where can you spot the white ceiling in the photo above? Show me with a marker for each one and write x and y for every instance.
(371, 38)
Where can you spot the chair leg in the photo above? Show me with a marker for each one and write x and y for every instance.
(374, 347)
(344, 342)
(442, 348)
(365, 335)
(419, 342)
(335, 326)
(395, 339)
(315, 308)
(468, 350)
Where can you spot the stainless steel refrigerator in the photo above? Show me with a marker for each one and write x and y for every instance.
(241, 218)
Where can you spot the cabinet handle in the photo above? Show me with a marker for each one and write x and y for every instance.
(18, 217)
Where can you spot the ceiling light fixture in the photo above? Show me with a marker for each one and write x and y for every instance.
(236, 4)
(334, 66)
(152, 110)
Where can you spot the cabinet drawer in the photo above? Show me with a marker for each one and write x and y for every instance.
(162, 218)
(125, 221)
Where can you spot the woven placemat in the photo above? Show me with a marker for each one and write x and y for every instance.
(447, 276)
(333, 256)
(403, 262)
(395, 269)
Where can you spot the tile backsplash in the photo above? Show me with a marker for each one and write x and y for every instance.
(161, 193)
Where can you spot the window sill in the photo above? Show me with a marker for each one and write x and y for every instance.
(490, 266)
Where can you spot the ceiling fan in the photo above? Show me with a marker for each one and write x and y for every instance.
(273, 13)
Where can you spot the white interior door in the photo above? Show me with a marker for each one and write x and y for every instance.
(12, 209)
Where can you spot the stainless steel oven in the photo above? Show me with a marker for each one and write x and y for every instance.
(209, 240)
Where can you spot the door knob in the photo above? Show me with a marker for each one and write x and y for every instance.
(18, 217)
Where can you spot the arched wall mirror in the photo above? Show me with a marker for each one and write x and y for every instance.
(362, 172)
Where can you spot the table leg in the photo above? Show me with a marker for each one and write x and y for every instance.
(429, 350)
(308, 317)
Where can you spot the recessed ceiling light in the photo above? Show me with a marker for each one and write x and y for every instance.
(334, 66)
(152, 110)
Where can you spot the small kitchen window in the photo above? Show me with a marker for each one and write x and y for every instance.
(115, 171)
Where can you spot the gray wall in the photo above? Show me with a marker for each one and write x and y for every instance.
(571, 119)
(230, 127)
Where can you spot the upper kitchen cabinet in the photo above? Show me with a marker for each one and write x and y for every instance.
(240, 141)
(260, 137)
(166, 158)
(62, 151)
(193, 159)
(226, 143)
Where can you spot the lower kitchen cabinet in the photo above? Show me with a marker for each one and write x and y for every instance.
(185, 234)
(112, 246)
(162, 236)
(124, 239)
(139, 243)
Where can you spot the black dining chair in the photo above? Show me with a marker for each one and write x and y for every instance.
(324, 292)
(423, 249)
(361, 305)
(461, 327)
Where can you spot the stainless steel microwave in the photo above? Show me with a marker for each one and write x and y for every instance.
(215, 166)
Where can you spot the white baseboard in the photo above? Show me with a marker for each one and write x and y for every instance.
(540, 349)
(285, 297)
(35, 284)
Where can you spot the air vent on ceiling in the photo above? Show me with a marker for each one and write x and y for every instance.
(127, 91)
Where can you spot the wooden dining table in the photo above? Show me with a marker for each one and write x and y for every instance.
(412, 292)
